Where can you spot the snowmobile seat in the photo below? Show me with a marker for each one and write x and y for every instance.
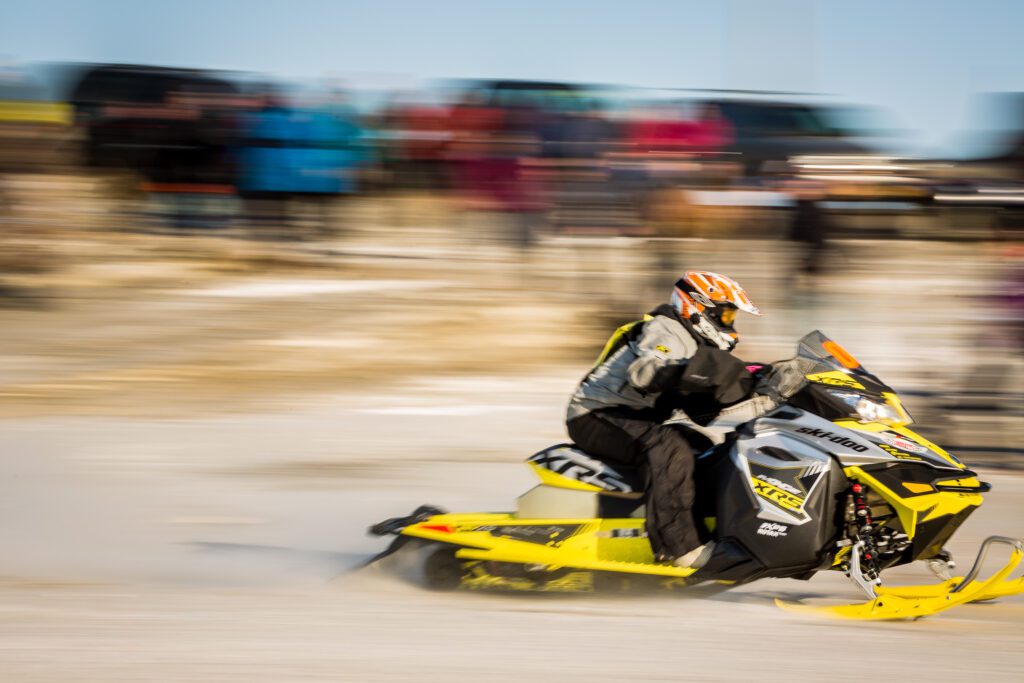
(575, 485)
(568, 466)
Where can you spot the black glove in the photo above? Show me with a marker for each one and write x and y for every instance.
(785, 378)
(719, 371)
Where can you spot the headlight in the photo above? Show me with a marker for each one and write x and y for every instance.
(872, 411)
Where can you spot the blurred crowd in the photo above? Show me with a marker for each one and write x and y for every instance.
(553, 156)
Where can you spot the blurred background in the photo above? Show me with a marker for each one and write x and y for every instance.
(269, 273)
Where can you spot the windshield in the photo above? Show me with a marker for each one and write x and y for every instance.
(839, 386)
(827, 354)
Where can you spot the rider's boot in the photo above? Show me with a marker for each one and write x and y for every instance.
(696, 558)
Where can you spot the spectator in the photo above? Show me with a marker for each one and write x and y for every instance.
(810, 225)
(294, 152)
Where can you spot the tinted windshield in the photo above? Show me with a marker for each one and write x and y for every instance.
(830, 363)
(840, 388)
(827, 354)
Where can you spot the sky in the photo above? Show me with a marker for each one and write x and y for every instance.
(924, 62)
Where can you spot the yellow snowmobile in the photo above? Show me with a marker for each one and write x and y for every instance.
(832, 479)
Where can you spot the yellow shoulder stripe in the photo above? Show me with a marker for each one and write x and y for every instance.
(615, 341)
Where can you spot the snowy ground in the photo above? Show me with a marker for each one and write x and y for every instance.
(222, 549)
(197, 433)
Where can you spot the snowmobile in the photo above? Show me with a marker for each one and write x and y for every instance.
(830, 479)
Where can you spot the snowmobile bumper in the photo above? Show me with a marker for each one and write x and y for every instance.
(394, 526)
(913, 602)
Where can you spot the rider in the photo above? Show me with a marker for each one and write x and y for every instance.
(677, 357)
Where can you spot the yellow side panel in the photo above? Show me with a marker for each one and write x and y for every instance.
(623, 540)
(934, 505)
(615, 545)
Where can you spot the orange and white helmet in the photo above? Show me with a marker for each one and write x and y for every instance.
(710, 301)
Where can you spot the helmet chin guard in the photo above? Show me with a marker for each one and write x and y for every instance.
(708, 330)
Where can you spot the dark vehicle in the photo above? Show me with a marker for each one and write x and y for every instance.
(170, 125)
(557, 115)
(765, 131)
(543, 95)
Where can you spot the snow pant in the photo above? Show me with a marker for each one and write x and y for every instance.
(666, 459)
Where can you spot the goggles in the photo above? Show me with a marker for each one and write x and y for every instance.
(725, 315)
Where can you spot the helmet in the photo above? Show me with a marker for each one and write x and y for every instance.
(710, 301)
